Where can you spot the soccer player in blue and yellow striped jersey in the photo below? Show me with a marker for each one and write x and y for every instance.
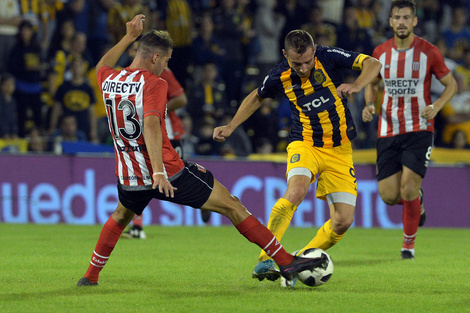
(310, 77)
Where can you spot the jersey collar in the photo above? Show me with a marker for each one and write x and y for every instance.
(394, 45)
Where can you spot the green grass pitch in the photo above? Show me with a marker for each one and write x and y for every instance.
(208, 269)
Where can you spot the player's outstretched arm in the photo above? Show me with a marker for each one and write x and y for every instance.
(133, 30)
(249, 105)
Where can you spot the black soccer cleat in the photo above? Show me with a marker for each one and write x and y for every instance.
(422, 219)
(300, 264)
(205, 215)
(407, 255)
(135, 232)
(86, 282)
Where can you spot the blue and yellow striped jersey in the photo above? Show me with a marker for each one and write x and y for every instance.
(319, 116)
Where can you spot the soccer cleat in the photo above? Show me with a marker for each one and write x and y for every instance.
(86, 282)
(301, 264)
(422, 219)
(134, 232)
(205, 215)
(266, 269)
(407, 254)
(289, 282)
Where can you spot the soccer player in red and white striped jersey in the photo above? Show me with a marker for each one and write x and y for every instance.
(176, 98)
(406, 118)
(148, 167)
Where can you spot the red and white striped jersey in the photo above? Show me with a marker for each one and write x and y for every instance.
(174, 126)
(129, 96)
(407, 83)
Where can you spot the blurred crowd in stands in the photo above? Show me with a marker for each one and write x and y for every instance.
(223, 49)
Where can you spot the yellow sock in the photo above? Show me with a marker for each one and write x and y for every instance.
(325, 238)
(279, 220)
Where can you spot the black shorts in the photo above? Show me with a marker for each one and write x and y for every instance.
(194, 185)
(412, 150)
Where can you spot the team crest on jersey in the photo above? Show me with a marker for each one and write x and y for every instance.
(319, 76)
(415, 66)
(201, 168)
(295, 158)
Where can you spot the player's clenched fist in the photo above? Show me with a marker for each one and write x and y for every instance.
(135, 27)
(368, 113)
(220, 133)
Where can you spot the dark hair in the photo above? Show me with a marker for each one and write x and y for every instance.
(5, 76)
(298, 40)
(25, 23)
(34, 39)
(400, 4)
(155, 39)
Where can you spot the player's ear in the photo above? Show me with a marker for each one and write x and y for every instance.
(284, 53)
(415, 21)
(155, 57)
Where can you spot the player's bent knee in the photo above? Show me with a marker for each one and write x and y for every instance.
(343, 220)
(341, 226)
(344, 225)
(409, 192)
(224, 203)
(390, 199)
(389, 196)
(122, 215)
(296, 194)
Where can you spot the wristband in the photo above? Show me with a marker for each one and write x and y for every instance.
(370, 103)
(159, 173)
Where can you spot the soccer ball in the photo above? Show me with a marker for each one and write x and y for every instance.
(319, 275)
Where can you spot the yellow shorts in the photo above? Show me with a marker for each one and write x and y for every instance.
(334, 166)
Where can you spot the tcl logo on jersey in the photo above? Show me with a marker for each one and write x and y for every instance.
(316, 103)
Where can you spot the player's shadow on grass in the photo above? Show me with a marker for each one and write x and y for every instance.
(77, 291)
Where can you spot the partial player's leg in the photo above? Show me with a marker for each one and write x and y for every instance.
(422, 218)
(410, 188)
(137, 229)
(389, 169)
(112, 230)
(403, 188)
(222, 202)
(417, 147)
(109, 236)
(342, 216)
(279, 220)
(300, 165)
(416, 156)
(389, 189)
(176, 143)
(337, 185)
